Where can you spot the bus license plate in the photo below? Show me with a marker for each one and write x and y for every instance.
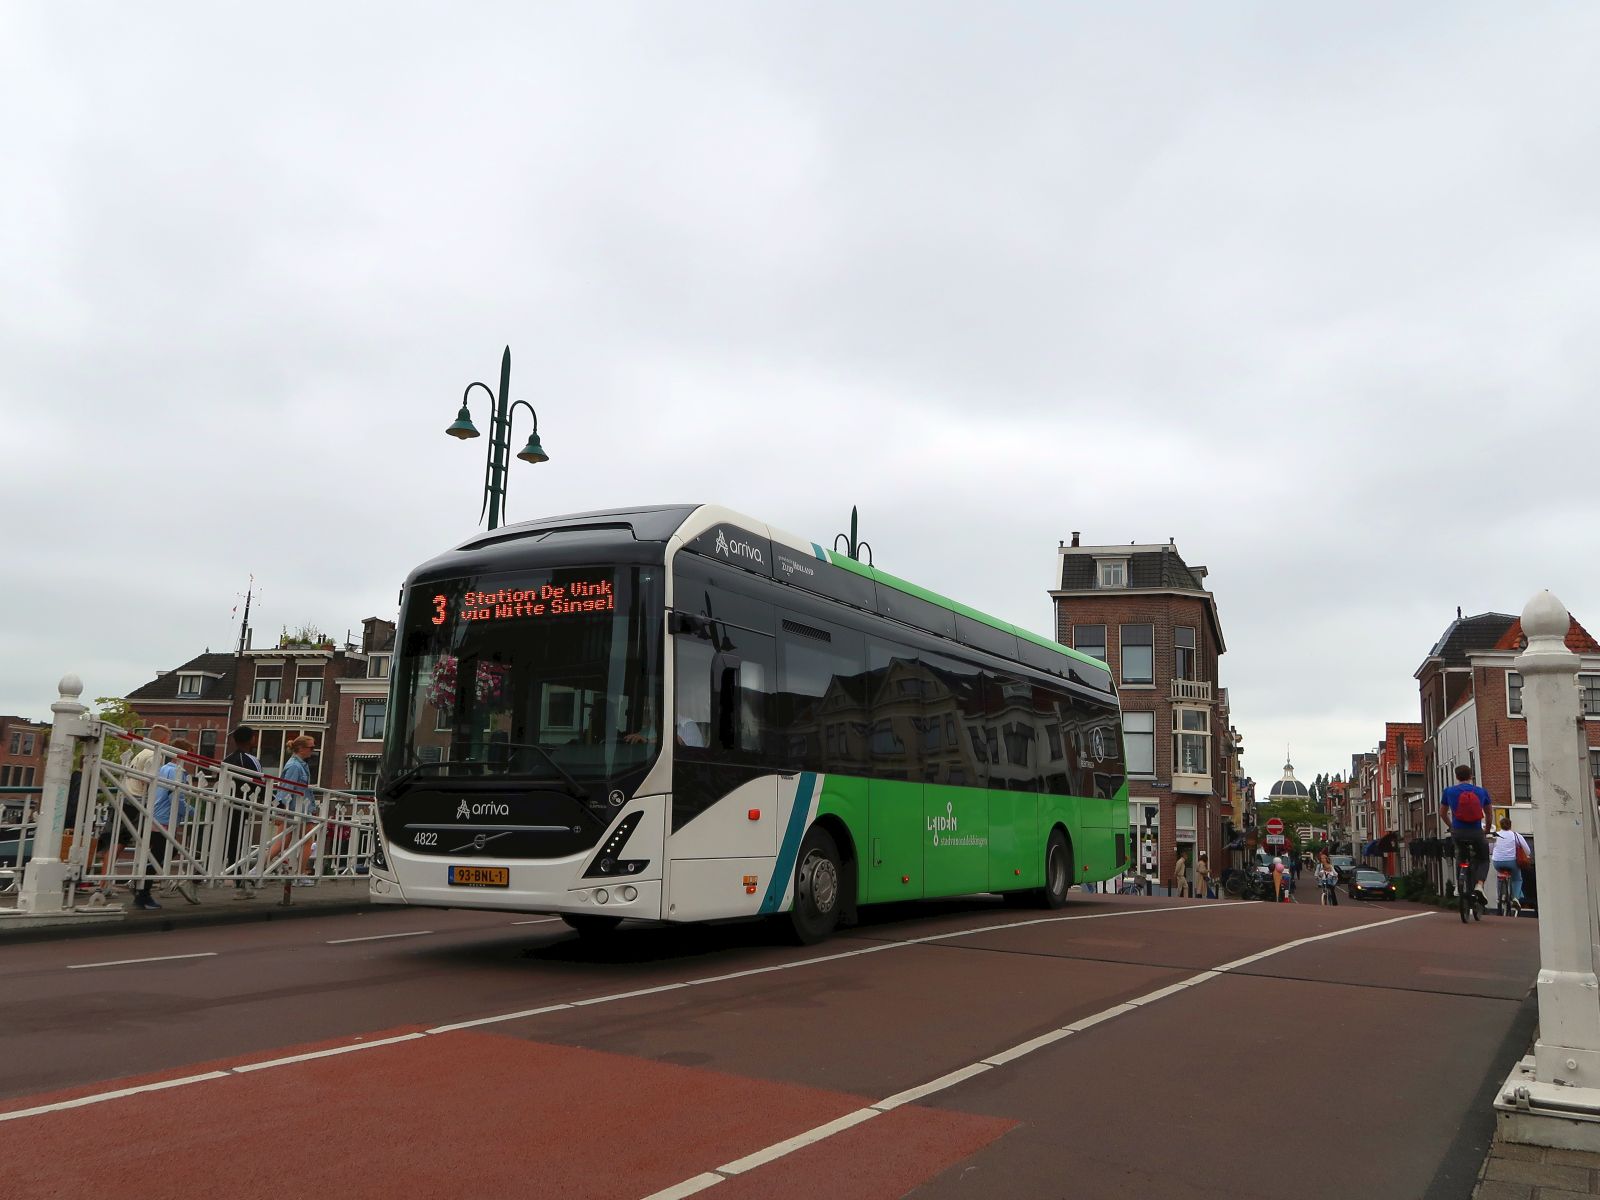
(480, 877)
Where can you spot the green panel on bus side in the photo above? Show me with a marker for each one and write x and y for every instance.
(894, 857)
(845, 797)
(1016, 857)
(955, 840)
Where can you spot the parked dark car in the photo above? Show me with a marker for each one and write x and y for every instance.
(1343, 864)
(1370, 885)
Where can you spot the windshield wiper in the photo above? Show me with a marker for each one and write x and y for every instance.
(572, 786)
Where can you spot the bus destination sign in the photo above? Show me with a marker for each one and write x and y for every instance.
(577, 597)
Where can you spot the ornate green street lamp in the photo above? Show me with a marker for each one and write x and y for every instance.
(494, 474)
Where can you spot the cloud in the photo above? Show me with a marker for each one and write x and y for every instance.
(1305, 288)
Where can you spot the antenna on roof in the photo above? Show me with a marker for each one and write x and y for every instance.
(1458, 612)
(244, 625)
(853, 545)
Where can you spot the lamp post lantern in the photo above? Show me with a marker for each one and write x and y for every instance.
(500, 411)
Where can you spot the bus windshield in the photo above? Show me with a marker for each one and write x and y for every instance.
(550, 674)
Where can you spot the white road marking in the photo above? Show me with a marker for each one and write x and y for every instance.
(329, 1053)
(708, 1179)
(378, 937)
(708, 979)
(778, 1149)
(125, 962)
(101, 1097)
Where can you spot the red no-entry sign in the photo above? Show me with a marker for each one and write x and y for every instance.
(1275, 825)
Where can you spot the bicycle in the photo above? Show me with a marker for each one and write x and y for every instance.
(1505, 904)
(1466, 893)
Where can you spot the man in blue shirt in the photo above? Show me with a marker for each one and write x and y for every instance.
(1468, 810)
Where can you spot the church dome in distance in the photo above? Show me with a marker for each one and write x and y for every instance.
(1288, 788)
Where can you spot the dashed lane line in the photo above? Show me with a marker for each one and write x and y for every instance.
(128, 962)
(378, 937)
(878, 948)
(709, 1179)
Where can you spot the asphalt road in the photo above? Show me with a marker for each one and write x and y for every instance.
(1121, 1047)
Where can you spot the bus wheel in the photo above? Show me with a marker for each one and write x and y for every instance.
(818, 899)
(1057, 871)
(591, 924)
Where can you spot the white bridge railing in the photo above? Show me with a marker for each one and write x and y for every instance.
(178, 817)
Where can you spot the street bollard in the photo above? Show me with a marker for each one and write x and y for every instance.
(1567, 1053)
(45, 878)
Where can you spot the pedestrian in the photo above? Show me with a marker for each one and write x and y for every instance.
(293, 797)
(243, 790)
(1180, 874)
(125, 816)
(1509, 851)
(1202, 876)
(164, 821)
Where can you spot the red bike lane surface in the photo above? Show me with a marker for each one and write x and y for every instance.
(469, 1112)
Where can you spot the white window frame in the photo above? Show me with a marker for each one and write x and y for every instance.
(1517, 711)
(1108, 566)
(1122, 656)
(361, 718)
(1511, 763)
(1582, 675)
(1179, 733)
(1194, 652)
(190, 686)
(1127, 752)
(378, 666)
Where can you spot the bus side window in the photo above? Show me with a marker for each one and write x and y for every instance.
(693, 688)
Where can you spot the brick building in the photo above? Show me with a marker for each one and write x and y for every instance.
(1395, 773)
(194, 701)
(1147, 614)
(22, 748)
(1472, 709)
(336, 694)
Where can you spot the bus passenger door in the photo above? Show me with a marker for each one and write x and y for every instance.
(894, 858)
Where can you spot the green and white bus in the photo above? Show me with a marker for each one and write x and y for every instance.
(682, 714)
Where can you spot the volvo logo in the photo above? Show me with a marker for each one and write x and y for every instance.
(479, 842)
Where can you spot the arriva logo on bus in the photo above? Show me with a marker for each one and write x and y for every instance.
(734, 548)
(482, 810)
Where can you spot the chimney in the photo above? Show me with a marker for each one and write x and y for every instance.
(1074, 538)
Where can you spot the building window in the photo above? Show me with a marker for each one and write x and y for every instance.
(1053, 733)
(363, 773)
(27, 743)
(1594, 763)
(1589, 690)
(1139, 742)
(16, 743)
(1113, 572)
(181, 732)
(1521, 778)
(1138, 654)
(1184, 663)
(266, 691)
(374, 714)
(308, 691)
(1090, 640)
(378, 666)
(188, 686)
(1513, 693)
(1191, 738)
(27, 776)
(208, 742)
(5, 776)
(1018, 740)
(884, 741)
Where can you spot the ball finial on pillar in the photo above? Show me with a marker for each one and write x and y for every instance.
(1544, 617)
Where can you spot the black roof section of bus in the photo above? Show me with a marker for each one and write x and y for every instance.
(623, 535)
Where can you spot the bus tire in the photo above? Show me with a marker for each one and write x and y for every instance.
(818, 892)
(1057, 870)
(589, 925)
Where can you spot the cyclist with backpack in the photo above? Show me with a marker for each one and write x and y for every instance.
(1467, 806)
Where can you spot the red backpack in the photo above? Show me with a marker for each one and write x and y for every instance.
(1469, 808)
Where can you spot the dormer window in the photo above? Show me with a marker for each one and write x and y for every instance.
(189, 686)
(378, 666)
(1112, 572)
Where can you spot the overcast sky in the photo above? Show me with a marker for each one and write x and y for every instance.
(1297, 285)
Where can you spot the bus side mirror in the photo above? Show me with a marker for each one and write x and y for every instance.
(689, 624)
